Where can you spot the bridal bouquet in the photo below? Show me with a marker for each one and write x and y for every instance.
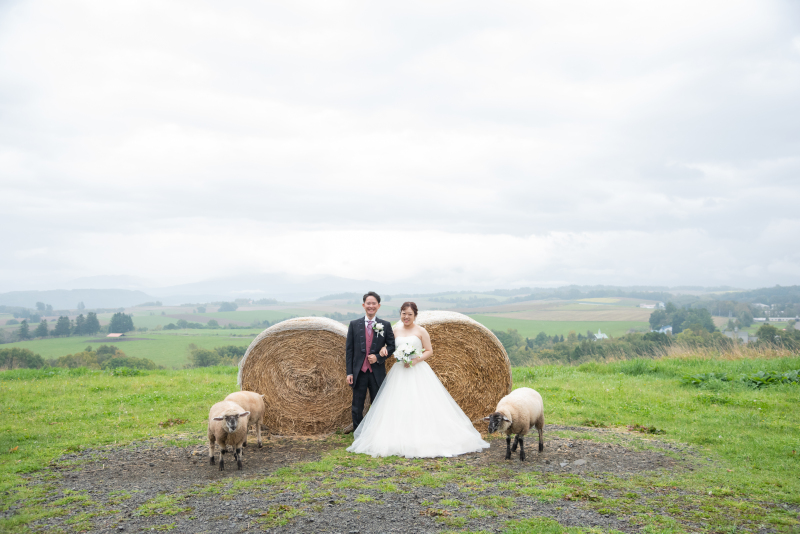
(405, 353)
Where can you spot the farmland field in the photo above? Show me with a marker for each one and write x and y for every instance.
(170, 349)
(529, 328)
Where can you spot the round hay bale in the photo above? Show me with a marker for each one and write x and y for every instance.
(469, 360)
(298, 366)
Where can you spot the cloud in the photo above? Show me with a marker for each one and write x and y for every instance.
(577, 141)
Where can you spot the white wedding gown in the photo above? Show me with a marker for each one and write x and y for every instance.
(414, 416)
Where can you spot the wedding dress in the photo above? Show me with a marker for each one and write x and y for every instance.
(414, 416)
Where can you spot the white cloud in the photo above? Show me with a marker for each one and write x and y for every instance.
(573, 141)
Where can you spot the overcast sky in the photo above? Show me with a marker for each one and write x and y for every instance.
(477, 143)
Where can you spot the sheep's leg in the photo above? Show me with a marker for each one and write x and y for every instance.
(508, 448)
(514, 446)
(521, 450)
(238, 455)
(258, 433)
(211, 450)
(222, 451)
(539, 424)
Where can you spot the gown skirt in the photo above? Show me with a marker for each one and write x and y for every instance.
(414, 416)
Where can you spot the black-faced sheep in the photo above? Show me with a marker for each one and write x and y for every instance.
(253, 403)
(227, 425)
(516, 413)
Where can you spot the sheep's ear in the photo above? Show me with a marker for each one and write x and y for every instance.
(487, 418)
(506, 419)
(218, 418)
(243, 414)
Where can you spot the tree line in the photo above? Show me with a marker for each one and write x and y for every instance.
(105, 357)
(694, 332)
(81, 326)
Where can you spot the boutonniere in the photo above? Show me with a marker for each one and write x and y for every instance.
(377, 328)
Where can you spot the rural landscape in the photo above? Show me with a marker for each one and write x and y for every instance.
(400, 267)
(684, 431)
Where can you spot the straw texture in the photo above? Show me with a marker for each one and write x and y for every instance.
(469, 360)
(298, 366)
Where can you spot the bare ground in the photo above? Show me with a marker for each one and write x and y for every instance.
(119, 480)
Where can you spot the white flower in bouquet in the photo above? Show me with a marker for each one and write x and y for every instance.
(406, 352)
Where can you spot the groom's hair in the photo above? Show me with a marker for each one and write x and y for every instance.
(371, 294)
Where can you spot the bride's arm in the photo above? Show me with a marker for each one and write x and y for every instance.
(427, 349)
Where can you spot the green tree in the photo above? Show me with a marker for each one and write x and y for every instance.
(212, 323)
(41, 330)
(203, 358)
(120, 323)
(49, 309)
(24, 331)
(81, 306)
(745, 318)
(20, 358)
(63, 327)
(40, 306)
(768, 333)
(92, 325)
(228, 306)
(80, 325)
(658, 319)
(182, 323)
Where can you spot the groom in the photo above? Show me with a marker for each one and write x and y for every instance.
(365, 366)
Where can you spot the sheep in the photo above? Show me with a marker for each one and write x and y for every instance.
(226, 427)
(516, 413)
(253, 403)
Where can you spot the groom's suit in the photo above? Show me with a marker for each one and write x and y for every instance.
(356, 352)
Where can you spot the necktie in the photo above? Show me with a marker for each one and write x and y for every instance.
(369, 333)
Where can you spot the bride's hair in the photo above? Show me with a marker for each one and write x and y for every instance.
(409, 305)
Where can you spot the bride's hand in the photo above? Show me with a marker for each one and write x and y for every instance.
(415, 361)
(383, 352)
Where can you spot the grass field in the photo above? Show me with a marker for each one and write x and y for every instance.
(530, 329)
(170, 349)
(750, 437)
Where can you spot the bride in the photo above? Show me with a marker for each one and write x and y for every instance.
(413, 415)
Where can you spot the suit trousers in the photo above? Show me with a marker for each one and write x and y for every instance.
(364, 382)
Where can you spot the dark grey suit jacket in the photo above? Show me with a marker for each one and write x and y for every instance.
(356, 348)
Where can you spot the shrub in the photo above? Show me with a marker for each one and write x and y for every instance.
(228, 306)
(203, 358)
(130, 362)
(19, 358)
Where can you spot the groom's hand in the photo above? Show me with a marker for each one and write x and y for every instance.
(350, 379)
(372, 358)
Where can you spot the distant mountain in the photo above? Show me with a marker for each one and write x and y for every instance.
(68, 299)
(279, 286)
(120, 281)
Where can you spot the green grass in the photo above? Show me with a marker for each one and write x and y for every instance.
(272, 316)
(170, 348)
(531, 329)
(751, 436)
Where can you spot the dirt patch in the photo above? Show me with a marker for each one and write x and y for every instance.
(149, 470)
